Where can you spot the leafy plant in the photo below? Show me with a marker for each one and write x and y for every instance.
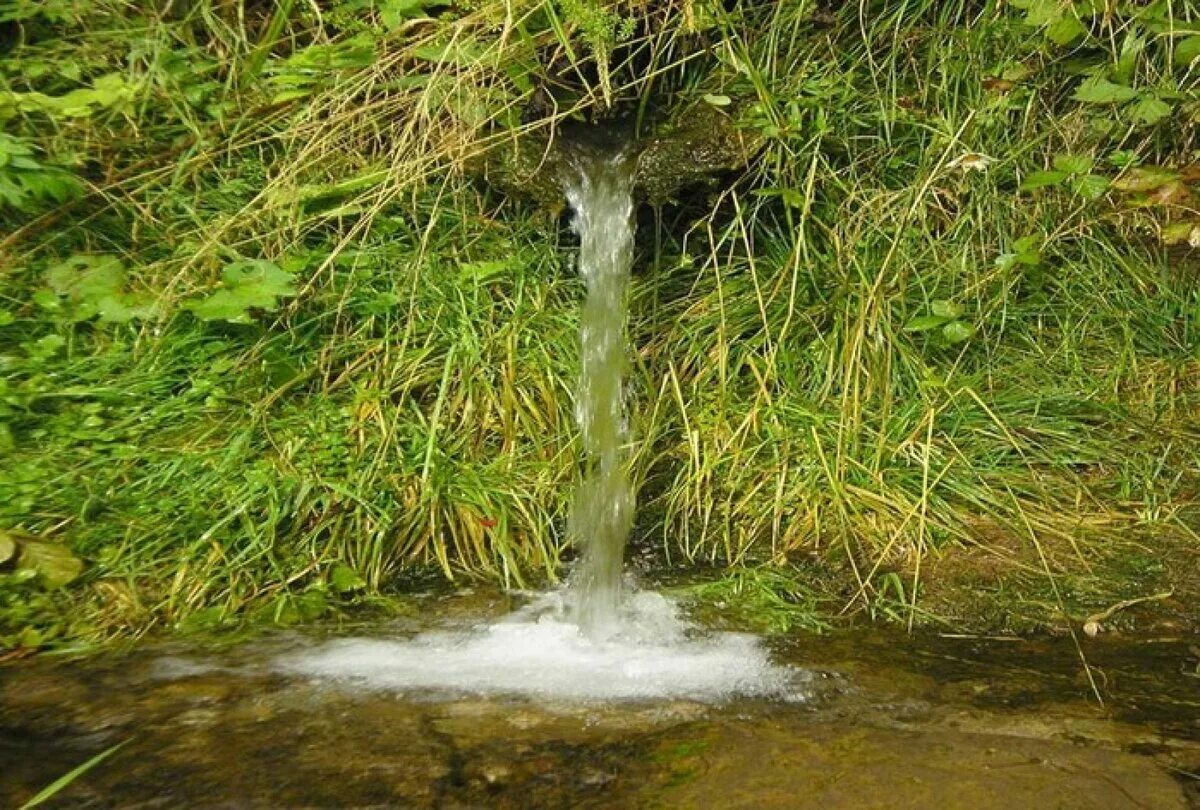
(245, 285)
(945, 320)
(26, 183)
(94, 287)
(1073, 171)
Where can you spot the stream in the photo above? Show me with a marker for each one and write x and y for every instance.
(873, 719)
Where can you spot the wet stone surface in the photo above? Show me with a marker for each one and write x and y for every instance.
(889, 721)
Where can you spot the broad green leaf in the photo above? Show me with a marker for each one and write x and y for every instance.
(8, 546)
(462, 52)
(1006, 260)
(946, 309)
(1066, 30)
(1073, 164)
(11, 147)
(1091, 186)
(30, 638)
(83, 277)
(717, 100)
(1187, 51)
(1132, 47)
(311, 605)
(54, 563)
(923, 323)
(1150, 110)
(248, 284)
(957, 332)
(94, 286)
(1123, 158)
(1041, 12)
(393, 13)
(126, 308)
(1099, 90)
(1042, 179)
(1028, 249)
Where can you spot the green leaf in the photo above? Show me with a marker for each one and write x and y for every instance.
(923, 323)
(1073, 164)
(1066, 30)
(1099, 90)
(345, 579)
(54, 563)
(30, 638)
(48, 792)
(93, 285)
(392, 13)
(1029, 246)
(1187, 51)
(8, 546)
(311, 605)
(1041, 12)
(1182, 233)
(717, 100)
(957, 332)
(83, 277)
(1091, 186)
(248, 284)
(1123, 158)
(946, 309)
(1150, 110)
(1041, 179)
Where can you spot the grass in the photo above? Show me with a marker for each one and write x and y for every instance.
(870, 350)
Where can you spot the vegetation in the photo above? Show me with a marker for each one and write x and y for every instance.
(271, 343)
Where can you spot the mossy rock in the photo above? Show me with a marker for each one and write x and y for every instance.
(700, 143)
(686, 151)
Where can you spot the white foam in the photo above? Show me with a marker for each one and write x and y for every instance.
(538, 652)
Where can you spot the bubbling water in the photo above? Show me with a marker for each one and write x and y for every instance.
(539, 652)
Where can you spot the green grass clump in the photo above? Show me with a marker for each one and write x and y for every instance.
(262, 324)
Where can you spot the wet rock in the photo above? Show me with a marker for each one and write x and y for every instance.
(701, 143)
(684, 152)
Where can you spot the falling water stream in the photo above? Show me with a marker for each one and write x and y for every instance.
(600, 190)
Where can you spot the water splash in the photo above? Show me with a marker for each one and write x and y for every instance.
(599, 188)
(539, 652)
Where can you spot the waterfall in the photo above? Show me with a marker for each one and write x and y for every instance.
(600, 190)
(588, 641)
